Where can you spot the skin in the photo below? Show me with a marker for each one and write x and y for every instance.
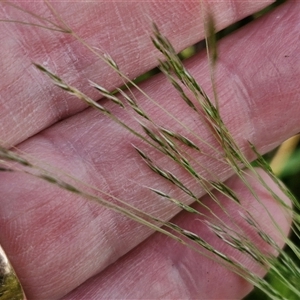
(64, 246)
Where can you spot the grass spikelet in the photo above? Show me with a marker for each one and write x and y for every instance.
(175, 201)
(105, 93)
(180, 138)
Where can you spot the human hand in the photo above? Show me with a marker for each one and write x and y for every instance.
(62, 245)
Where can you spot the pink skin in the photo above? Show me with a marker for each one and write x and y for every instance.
(58, 241)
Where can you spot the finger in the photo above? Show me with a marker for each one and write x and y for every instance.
(161, 268)
(122, 30)
(100, 153)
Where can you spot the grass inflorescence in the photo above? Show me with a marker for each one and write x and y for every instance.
(183, 151)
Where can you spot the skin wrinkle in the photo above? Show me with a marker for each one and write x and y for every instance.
(158, 286)
(112, 229)
(87, 158)
(95, 233)
(75, 158)
(240, 90)
(186, 277)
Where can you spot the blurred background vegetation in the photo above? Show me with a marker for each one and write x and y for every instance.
(285, 163)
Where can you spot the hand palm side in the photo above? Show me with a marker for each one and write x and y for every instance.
(57, 241)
